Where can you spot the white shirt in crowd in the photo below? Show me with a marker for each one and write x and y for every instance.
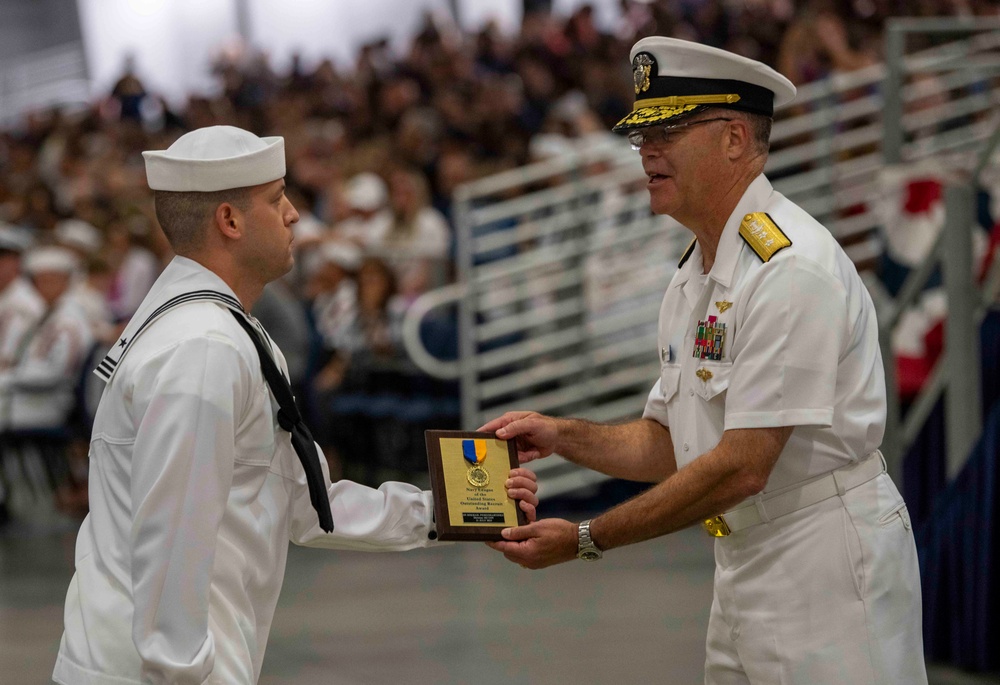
(20, 308)
(428, 236)
(135, 276)
(39, 389)
(94, 304)
(334, 310)
(361, 230)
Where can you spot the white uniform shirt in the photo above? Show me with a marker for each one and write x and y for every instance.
(20, 308)
(800, 347)
(39, 391)
(194, 495)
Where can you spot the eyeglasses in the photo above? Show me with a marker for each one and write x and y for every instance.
(658, 135)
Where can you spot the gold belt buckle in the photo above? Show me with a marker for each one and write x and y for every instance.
(717, 527)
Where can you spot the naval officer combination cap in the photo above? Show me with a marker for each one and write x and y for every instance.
(674, 78)
(216, 158)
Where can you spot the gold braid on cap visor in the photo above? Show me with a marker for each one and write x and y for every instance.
(654, 110)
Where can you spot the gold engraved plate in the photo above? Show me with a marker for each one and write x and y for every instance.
(723, 306)
(763, 235)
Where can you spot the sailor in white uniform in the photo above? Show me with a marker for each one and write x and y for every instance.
(765, 422)
(20, 304)
(201, 470)
(38, 390)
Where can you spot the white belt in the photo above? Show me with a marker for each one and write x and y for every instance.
(767, 507)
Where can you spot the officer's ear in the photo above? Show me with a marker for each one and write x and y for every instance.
(739, 139)
(228, 220)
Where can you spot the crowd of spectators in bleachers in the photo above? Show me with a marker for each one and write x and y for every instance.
(374, 154)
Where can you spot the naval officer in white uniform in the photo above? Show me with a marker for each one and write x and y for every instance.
(201, 470)
(765, 422)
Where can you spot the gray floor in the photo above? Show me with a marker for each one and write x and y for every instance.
(456, 615)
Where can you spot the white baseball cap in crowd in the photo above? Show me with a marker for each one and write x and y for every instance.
(216, 158)
(674, 77)
(50, 259)
(14, 239)
(79, 234)
(347, 256)
(367, 191)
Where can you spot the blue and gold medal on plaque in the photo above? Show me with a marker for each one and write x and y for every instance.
(474, 452)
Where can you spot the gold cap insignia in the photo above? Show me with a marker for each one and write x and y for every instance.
(642, 67)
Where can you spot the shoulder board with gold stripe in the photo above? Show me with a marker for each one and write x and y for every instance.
(687, 252)
(763, 235)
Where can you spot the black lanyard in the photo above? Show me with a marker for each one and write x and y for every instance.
(290, 420)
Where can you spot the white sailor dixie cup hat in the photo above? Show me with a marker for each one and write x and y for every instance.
(674, 77)
(216, 158)
(50, 259)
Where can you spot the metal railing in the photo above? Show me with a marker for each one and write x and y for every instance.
(956, 65)
(562, 266)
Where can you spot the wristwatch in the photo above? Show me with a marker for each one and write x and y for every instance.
(585, 547)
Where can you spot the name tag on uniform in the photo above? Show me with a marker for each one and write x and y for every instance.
(709, 339)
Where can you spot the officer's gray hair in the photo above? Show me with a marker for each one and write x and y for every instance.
(759, 125)
(185, 216)
(760, 130)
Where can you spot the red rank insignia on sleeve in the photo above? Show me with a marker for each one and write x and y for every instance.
(709, 339)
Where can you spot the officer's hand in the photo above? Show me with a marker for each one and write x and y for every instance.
(535, 435)
(522, 485)
(539, 544)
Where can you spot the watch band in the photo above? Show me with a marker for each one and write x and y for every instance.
(585, 548)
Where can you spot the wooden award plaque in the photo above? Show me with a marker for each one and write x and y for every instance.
(468, 473)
